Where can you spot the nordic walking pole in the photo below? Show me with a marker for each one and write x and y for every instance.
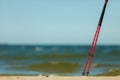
(93, 46)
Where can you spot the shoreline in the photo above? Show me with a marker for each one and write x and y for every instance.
(60, 78)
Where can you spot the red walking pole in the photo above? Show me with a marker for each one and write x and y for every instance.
(94, 42)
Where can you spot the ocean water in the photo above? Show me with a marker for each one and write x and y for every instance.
(57, 60)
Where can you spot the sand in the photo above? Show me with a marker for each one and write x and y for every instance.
(59, 78)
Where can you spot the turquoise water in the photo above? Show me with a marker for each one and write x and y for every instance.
(58, 60)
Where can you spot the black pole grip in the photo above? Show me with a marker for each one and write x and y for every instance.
(106, 1)
(103, 12)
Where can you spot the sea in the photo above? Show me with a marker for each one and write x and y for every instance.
(61, 60)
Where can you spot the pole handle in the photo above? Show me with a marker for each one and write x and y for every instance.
(106, 1)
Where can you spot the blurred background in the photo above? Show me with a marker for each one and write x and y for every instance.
(54, 37)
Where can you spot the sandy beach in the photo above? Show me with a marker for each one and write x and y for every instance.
(59, 78)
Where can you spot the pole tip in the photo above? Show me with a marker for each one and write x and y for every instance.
(106, 1)
(83, 73)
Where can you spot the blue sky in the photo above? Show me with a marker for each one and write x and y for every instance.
(58, 21)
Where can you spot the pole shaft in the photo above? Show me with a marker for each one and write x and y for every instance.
(94, 42)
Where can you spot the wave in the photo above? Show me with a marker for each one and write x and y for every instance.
(51, 67)
(111, 72)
